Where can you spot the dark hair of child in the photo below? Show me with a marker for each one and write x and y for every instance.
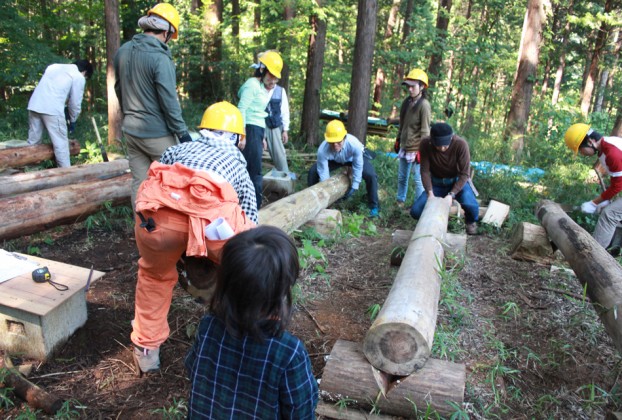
(253, 290)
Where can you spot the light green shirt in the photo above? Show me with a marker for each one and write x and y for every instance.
(253, 102)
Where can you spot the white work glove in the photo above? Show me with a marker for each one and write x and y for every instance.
(588, 207)
(601, 206)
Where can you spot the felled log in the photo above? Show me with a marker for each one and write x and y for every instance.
(530, 242)
(453, 243)
(348, 374)
(29, 213)
(36, 397)
(457, 211)
(327, 223)
(291, 212)
(331, 410)
(57, 177)
(400, 339)
(14, 157)
(599, 273)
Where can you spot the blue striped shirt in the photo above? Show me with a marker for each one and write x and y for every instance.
(241, 378)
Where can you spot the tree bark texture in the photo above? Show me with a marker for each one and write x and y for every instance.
(453, 243)
(29, 213)
(113, 41)
(15, 157)
(57, 177)
(400, 339)
(592, 76)
(348, 375)
(442, 23)
(36, 397)
(310, 121)
(358, 107)
(516, 125)
(293, 211)
(597, 271)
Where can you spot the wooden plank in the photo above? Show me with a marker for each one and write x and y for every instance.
(496, 214)
(23, 293)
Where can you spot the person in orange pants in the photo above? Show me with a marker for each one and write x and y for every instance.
(198, 188)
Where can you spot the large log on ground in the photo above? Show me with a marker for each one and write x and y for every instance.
(57, 177)
(14, 157)
(453, 243)
(29, 213)
(599, 273)
(327, 223)
(293, 211)
(348, 375)
(400, 339)
(530, 242)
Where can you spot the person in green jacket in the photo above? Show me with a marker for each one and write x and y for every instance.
(253, 103)
(145, 84)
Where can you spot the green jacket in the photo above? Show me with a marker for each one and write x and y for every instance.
(253, 102)
(145, 84)
(414, 123)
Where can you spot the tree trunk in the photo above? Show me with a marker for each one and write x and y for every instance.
(562, 61)
(361, 68)
(599, 273)
(15, 157)
(293, 211)
(380, 74)
(113, 41)
(453, 243)
(437, 384)
(522, 92)
(400, 339)
(29, 213)
(592, 76)
(36, 397)
(436, 59)
(310, 121)
(57, 177)
(399, 68)
(529, 242)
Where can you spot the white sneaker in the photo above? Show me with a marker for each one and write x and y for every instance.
(146, 360)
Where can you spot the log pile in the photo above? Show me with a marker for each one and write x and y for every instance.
(35, 201)
(15, 157)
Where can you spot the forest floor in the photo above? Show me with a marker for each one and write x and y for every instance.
(531, 346)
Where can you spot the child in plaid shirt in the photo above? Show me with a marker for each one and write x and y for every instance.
(243, 363)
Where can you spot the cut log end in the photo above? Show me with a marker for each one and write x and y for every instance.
(395, 348)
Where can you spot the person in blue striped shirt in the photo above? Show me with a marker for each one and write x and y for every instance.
(243, 363)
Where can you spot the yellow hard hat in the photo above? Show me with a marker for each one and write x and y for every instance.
(574, 136)
(223, 116)
(273, 62)
(417, 74)
(168, 13)
(335, 131)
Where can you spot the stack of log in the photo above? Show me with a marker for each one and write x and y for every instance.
(35, 201)
(392, 370)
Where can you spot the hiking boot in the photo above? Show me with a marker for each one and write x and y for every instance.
(374, 212)
(146, 360)
(471, 228)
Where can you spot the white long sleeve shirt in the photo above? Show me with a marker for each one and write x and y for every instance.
(60, 84)
(352, 152)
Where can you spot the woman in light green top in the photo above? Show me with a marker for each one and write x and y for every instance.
(253, 102)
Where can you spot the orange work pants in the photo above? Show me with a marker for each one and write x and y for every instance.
(157, 274)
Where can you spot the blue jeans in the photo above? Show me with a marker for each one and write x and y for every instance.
(369, 176)
(403, 175)
(252, 153)
(465, 197)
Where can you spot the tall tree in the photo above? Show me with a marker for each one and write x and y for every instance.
(310, 120)
(524, 81)
(562, 56)
(386, 45)
(113, 42)
(436, 58)
(361, 68)
(592, 76)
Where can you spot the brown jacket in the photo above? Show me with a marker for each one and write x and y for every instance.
(414, 123)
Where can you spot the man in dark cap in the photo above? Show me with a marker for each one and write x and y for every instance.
(445, 166)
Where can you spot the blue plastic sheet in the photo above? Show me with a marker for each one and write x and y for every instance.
(529, 174)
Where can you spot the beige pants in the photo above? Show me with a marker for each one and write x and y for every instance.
(141, 153)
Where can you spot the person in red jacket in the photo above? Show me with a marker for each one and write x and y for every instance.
(192, 202)
(581, 138)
